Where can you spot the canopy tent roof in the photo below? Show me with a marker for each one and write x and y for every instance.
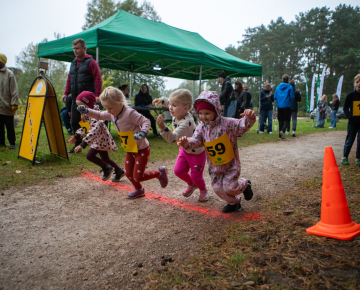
(131, 43)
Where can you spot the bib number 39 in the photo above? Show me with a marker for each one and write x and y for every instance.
(220, 150)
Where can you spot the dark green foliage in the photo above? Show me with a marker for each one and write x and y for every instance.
(317, 38)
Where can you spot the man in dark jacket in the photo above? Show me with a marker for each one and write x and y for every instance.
(266, 108)
(226, 91)
(84, 75)
(294, 110)
(248, 97)
(352, 112)
(284, 94)
(143, 99)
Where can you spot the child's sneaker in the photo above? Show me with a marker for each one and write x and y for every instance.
(136, 193)
(118, 175)
(344, 161)
(231, 207)
(248, 193)
(189, 190)
(204, 195)
(163, 177)
(107, 170)
(357, 162)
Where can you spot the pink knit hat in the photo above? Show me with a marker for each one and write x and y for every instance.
(87, 98)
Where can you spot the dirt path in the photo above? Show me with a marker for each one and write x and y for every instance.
(84, 234)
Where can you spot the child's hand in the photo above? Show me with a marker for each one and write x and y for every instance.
(139, 136)
(183, 142)
(72, 140)
(82, 109)
(160, 122)
(77, 149)
(249, 113)
(156, 102)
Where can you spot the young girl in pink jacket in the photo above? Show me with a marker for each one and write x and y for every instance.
(132, 129)
(219, 136)
(99, 138)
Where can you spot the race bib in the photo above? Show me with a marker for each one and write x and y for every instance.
(220, 150)
(85, 126)
(356, 108)
(128, 142)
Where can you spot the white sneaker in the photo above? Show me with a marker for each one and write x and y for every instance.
(270, 132)
(331, 127)
(293, 134)
(261, 132)
(287, 133)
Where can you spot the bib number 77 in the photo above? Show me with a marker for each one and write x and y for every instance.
(124, 139)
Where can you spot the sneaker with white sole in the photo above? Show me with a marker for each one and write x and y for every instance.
(331, 127)
(190, 188)
(204, 195)
(293, 134)
(261, 132)
(287, 133)
(270, 133)
(282, 135)
(136, 193)
(163, 179)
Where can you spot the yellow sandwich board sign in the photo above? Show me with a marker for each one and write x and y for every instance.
(42, 106)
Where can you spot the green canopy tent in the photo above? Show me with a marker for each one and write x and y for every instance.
(130, 43)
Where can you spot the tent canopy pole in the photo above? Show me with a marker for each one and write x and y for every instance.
(200, 79)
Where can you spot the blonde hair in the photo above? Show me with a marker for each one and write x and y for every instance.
(182, 95)
(112, 95)
(335, 96)
(323, 98)
(267, 85)
(356, 77)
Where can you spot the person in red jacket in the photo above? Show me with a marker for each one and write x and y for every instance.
(84, 75)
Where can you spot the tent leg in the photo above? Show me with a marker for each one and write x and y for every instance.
(130, 93)
(260, 80)
(200, 79)
(193, 90)
(97, 55)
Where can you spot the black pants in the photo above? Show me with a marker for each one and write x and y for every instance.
(75, 119)
(148, 115)
(8, 122)
(284, 115)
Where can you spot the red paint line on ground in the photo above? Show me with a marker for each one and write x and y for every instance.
(158, 197)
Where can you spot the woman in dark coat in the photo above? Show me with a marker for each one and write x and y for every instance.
(143, 99)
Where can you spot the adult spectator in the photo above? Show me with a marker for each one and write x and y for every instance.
(84, 75)
(248, 104)
(240, 95)
(321, 111)
(284, 94)
(125, 90)
(143, 99)
(334, 108)
(352, 112)
(226, 91)
(65, 114)
(266, 108)
(294, 110)
(9, 102)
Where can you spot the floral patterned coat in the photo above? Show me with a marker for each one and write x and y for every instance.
(99, 136)
(220, 126)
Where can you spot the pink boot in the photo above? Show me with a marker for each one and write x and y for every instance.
(204, 195)
(189, 190)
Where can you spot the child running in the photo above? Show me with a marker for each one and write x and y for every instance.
(219, 136)
(132, 129)
(179, 104)
(100, 139)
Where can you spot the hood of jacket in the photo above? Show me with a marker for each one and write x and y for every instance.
(212, 98)
(284, 86)
(86, 56)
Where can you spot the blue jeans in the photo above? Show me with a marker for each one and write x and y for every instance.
(320, 121)
(333, 118)
(352, 130)
(66, 119)
(266, 114)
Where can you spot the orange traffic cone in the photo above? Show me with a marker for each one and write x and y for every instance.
(335, 215)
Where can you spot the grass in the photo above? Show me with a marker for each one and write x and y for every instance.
(274, 252)
(52, 167)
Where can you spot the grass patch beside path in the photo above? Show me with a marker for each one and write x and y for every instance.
(274, 252)
(53, 167)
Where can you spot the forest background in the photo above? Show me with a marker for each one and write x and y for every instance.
(316, 39)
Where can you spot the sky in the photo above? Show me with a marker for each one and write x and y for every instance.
(220, 22)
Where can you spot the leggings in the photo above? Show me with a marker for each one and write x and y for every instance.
(135, 164)
(91, 156)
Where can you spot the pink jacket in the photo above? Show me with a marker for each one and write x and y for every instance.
(127, 120)
(99, 136)
(218, 127)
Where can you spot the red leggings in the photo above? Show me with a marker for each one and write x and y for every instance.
(135, 164)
